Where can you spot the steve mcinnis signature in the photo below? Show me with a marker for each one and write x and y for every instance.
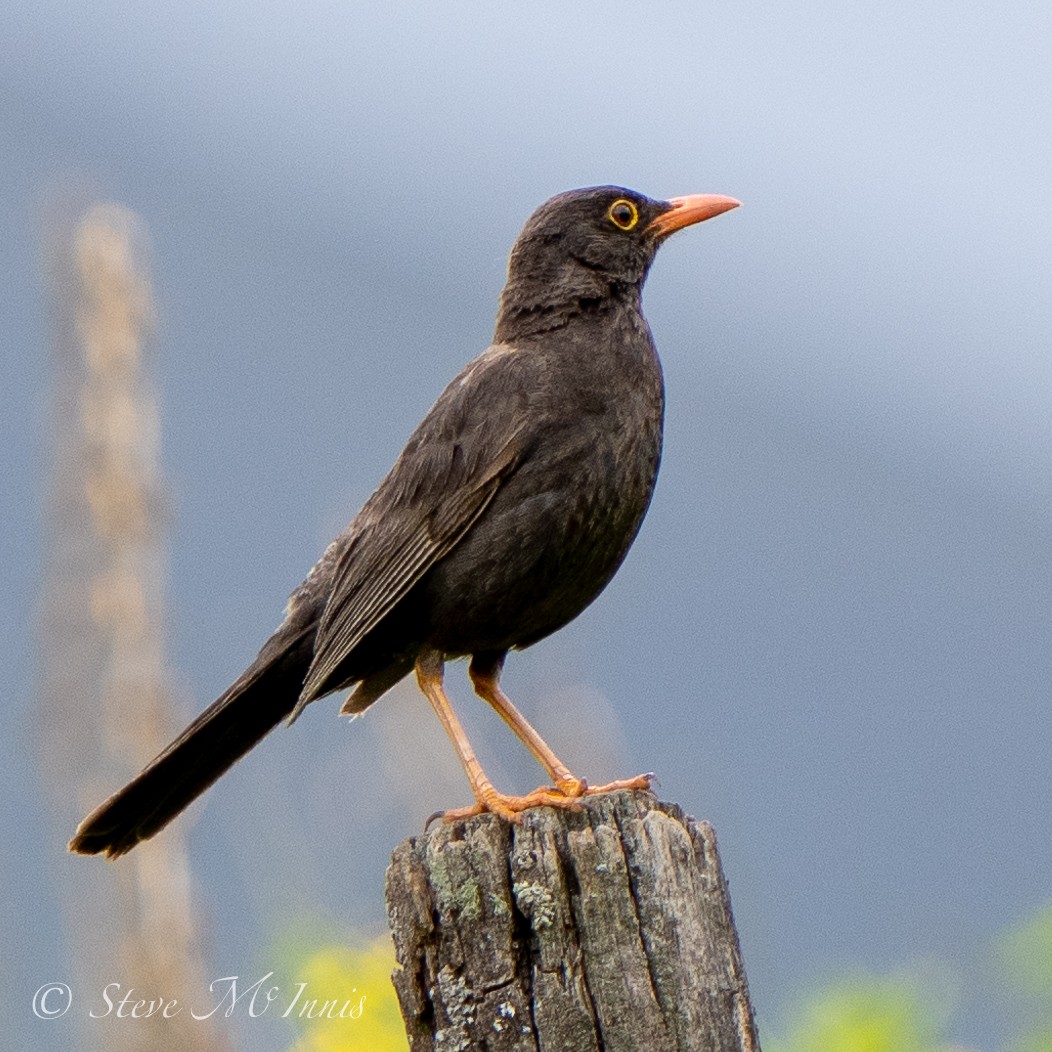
(227, 997)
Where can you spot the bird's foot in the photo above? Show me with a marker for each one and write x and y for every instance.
(566, 794)
(510, 808)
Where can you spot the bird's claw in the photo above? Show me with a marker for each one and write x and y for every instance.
(641, 781)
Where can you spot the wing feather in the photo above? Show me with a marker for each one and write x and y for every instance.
(444, 480)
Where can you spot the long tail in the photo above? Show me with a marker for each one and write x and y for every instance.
(261, 698)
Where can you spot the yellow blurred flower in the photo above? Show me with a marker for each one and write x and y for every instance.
(347, 1003)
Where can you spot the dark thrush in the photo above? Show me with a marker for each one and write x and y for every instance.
(508, 511)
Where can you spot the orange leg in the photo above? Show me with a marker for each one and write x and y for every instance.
(429, 670)
(485, 678)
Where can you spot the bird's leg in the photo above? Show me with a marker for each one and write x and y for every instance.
(429, 677)
(485, 670)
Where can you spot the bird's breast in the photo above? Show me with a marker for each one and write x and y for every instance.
(560, 526)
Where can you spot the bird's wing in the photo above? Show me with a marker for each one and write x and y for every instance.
(451, 468)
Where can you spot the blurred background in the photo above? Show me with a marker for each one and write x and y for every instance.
(243, 248)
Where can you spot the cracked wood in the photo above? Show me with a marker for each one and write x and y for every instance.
(602, 930)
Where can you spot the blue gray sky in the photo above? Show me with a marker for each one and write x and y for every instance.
(833, 637)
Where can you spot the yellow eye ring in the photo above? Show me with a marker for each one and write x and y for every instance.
(623, 214)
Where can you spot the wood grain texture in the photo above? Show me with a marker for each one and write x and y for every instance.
(602, 930)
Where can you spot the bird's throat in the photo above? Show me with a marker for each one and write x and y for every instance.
(530, 308)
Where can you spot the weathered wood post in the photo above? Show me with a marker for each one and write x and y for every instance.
(602, 930)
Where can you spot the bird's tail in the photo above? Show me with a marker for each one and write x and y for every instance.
(264, 695)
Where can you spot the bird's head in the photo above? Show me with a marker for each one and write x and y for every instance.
(588, 245)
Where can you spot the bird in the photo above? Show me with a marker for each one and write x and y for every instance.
(509, 510)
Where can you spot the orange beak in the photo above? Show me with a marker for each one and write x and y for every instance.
(685, 211)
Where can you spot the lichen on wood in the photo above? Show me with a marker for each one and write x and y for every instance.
(601, 930)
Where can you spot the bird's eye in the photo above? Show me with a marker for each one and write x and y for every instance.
(623, 214)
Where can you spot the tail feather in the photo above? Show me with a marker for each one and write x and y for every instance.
(260, 699)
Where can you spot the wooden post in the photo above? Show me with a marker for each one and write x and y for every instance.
(602, 930)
